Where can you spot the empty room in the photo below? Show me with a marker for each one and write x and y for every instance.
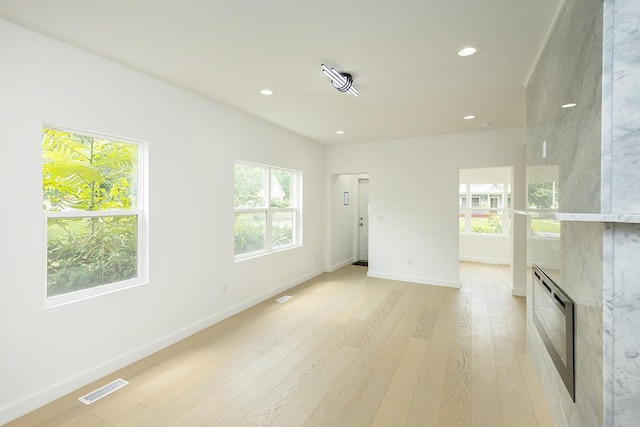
(287, 213)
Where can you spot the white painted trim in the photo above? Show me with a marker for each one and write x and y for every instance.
(414, 279)
(486, 261)
(17, 409)
(339, 265)
(519, 292)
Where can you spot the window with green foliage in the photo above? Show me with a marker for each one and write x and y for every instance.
(267, 209)
(93, 204)
(488, 212)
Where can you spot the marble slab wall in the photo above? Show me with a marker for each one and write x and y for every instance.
(621, 177)
(593, 152)
(564, 147)
(584, 285)
(622, 325)
(621, 107)
(569, 71)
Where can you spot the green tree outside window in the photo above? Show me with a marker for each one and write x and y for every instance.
(90, 197)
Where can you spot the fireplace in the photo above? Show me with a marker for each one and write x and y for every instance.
(553, 315)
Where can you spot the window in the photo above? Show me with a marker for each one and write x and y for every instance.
(95, 218)
(489, 211)
(267, 209)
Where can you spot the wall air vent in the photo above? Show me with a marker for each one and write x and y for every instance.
(101, 392)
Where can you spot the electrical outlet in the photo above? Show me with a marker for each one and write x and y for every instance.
(224, 288)
(410, 261)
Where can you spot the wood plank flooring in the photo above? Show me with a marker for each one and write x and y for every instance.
(346, 350)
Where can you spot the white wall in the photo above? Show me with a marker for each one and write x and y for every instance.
(413, 197)
(192, 145)
(343, 220)
(489, 248)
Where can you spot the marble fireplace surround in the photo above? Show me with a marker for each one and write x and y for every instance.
(598, 255)
(592, 58)
(607, 330)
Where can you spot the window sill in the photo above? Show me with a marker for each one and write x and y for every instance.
(464, 233)
(533, 237)
(258, 254)
(85, 294)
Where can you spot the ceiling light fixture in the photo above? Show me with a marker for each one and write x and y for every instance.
(469, 117)
(569, 105)
(266, 92)
(468, 50)
(341, 81)
(339, 132)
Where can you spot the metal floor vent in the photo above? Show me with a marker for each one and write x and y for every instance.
(284, 298)
(101, 392)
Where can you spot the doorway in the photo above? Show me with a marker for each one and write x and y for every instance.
(363, 220)
(349, 201)
(485, 223)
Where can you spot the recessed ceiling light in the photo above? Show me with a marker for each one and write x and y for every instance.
(339, 132)
(569, 105)
(266, 92)
(468, 50)
(469, 117)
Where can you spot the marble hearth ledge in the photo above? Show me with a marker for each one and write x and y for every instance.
(627, 218)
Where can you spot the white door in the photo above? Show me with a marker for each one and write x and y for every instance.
(363, 220)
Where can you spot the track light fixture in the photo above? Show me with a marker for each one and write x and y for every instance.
(341, 81)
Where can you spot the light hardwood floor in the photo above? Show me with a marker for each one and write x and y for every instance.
(346, 350)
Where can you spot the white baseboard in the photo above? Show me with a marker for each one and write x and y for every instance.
(486, 261)
(414, 279)
(519, 292)
(339, 265)
(24, 406)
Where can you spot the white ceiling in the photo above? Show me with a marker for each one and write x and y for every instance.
(402, 54)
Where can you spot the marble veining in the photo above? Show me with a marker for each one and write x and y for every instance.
(625, 118)
(569, 70)
(608, 321)
(633, 218)
(623, 300)
(607, 109)
(593, 151)
(611, 217)
(594, 52)
(580, 277)
(621, 169)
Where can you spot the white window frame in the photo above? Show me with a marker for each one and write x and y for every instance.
(469, 209)
(141, 212)
(269, 211)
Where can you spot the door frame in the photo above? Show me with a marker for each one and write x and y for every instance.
(363, 206)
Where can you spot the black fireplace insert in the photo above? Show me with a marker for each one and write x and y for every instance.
(553, 315)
